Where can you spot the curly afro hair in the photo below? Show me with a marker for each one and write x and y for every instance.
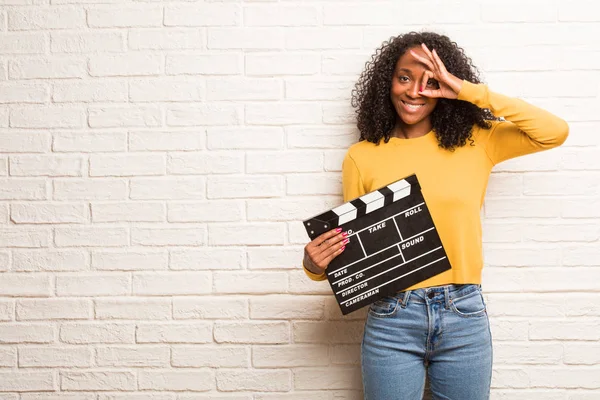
(452, 120)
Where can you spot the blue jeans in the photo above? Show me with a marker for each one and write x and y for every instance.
(442, 331)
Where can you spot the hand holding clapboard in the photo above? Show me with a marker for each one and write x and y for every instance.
(393, 244)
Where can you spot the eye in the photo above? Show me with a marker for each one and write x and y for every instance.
(432, 82)
(403, 78)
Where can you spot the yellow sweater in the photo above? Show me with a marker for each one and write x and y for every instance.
(454, 183)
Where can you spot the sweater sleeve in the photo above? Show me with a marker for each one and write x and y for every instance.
(527, 129)
(352, 187)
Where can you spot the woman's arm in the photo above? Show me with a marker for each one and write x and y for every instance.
(527, 129)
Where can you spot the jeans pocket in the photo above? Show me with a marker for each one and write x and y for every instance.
(470, 305)
(385, 307)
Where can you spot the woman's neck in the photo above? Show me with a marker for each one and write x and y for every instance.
(404, 131)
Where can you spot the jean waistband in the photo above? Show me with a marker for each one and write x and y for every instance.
(437, 293)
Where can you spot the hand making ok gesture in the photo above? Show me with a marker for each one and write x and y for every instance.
(448, 85)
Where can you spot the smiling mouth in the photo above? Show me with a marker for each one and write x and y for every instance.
(412, 106)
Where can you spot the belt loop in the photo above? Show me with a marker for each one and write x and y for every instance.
(405, 298)
(446, 297)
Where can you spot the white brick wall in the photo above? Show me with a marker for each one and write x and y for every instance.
(156, 161)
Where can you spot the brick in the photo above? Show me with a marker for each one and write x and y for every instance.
(129, 260)
(161, 89)
(282, 64)
(133, 308)
(214, 357)
(287, 113)
(71, 236)
(282, 162)
(541, 279)
(49, 309)
(203, 15)
(338, 114)
(136, 396)
(302, 395)
(314, 184)
(286, 209)
(559, 232)
(4, 255)
(7, 310)
(552, 184)
(45, 165)
(89, 142)
(512, 330)
(289, 356)
(345, 355)
(580, 378)
(252, 332)
(210, 64)
(302, 284)
(532, 11)
(214, 162)
(232, 187)
(342, 332)
(27, 381)
(97, 380)
(543, 161)
(168, 236)
(88, 42)
(129, 211)
(510, 378)
(346, 64)
(273, 257)
(206, 211)
(580, 255)
(578, 159)
(233, 88)
(137, 16)
(245, 38)
(538, 83)
(58, 395)
(497, 232)
(8, 357)
(580, 208)
(144, 141)
(247, 234)
(115, 284)
(303, 137)
(23, 93)
(297, 234)
(250, 282)
(581, 134)
(26, 333)
(35, 213)
(582, 305)
(311, 89)
(43, 118)
(22, 189)
(582, 11)
(206, 258)
(125, 65)
(328, 38)
(559, 329)
(25, 285)
(165, 39)
(132, 356)
(106, 91)
(127, 164)
(49, 67)
(181, 332)
(190, 380)
(37, 18)
(581, 353)
(522, 256)
(217, 307)
(531, 353)
(257, 380)
(286, 307)
(116, 117)
(54, 357)
(281, 15)
(209, 114)
(215, 396)
(86, 189)
(171, 188)
(171, 283)
(525, 305)
(544, 58)
(327, 378)
(25, 142)
(97, 332)
(245, 138)
(23, 43)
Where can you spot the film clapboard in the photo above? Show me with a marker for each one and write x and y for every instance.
(393, 244)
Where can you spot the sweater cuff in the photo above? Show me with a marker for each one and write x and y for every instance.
(474, 93)
(313, 276)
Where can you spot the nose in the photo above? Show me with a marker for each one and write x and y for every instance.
(413, 90)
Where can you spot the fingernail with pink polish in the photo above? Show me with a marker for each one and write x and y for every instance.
(343, 247)
(338, 230)
(345, 241)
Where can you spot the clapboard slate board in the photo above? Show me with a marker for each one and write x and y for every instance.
(393, 244)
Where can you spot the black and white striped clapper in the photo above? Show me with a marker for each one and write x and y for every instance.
(393, 244)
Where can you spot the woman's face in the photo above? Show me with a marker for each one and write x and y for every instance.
(411, 107)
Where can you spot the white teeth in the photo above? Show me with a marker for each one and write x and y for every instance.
(413, 106)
